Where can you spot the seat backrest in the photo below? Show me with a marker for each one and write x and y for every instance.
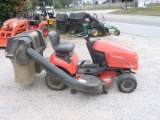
(54, 38)
(38, 17)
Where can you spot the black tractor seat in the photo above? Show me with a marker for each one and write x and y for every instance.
(65, 47)
(33, 22)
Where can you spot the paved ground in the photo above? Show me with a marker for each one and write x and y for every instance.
(132, 19)
(37, 101)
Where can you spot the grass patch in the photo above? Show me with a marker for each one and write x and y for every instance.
(151, 10)
(64, 10)
(62, 34)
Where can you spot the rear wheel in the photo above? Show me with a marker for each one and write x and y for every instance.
(44, 30)
(38, 68)
(53, 82)
(72, 30)
(117, 32)
(95, 33)
(107, 31)
(126, 83)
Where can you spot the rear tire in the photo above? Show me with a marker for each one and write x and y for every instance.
(95, 33)
(117, 32)
(72, 30)
(44, 30)
(38, 68)
(126, 83)
(53, 82)
(107, 31)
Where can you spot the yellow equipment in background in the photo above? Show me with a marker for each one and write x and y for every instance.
(50, 18)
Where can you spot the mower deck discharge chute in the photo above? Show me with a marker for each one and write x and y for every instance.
(26, 50)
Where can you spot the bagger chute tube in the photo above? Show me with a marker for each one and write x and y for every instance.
(21, 53)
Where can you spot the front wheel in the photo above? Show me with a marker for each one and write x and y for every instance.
(126, 83)
(44, 30)
(53, 82)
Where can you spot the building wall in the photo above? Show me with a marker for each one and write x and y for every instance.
(143, 3)
(94, 1)
(107, 5)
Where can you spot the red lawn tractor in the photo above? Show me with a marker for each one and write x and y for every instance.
(18, 25)
(109, 60)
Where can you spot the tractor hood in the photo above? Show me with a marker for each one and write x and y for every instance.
(7, 22)
(117, 55)
(13, 22)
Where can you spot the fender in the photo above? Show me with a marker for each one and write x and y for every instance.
(69, 67)
(41, 24)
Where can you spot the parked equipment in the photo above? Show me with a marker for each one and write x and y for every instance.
(47, 15)
(62, 22)
(51, 19)
(79, 22)
(18, 25)
(64, 68)
(109, 28)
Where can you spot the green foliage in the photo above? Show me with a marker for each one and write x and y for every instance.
(151, 9)
(154, 6)
(47, 2)
(57, 5)
(9, 8)
(65, 2)
(34, 2)
(3, 11)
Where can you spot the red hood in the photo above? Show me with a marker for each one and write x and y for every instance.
(15, 20)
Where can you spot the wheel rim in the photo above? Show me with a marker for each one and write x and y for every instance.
(55, 82)
(45, 31)
(116, 32)
(95, 33)
(127, 84)
(72, 31)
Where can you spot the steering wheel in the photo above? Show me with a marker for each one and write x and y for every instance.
(86, 34)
